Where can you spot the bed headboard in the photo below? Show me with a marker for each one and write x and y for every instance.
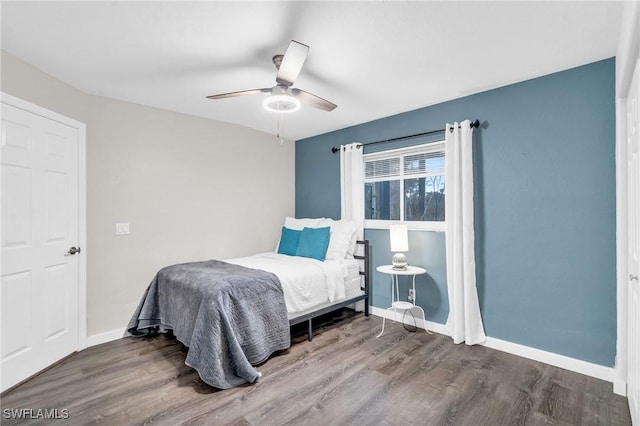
(365, 258)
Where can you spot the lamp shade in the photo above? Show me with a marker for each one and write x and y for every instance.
(398, 237)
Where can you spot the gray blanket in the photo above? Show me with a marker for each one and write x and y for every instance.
(230, 317)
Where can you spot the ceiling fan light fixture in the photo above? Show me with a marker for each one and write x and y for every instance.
(281, 103)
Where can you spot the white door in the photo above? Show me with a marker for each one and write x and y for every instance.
(633, 185)
(40, 224)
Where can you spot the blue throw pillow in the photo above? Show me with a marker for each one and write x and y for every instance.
(289, 241)
(314, 242)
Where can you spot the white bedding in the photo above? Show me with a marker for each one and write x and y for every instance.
(305, 282)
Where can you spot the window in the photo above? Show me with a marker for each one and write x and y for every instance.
(407, 185)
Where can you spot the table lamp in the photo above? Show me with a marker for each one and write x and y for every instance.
(399, 239)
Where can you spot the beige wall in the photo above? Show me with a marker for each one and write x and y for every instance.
(23, 81)
(190, 188)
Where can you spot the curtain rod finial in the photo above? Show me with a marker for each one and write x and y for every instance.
(476, 124)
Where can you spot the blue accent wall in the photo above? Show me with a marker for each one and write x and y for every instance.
(544, 178)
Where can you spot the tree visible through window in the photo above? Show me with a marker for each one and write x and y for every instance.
(424, 199)
(406, 184)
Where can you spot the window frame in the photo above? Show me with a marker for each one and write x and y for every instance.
(425, 148)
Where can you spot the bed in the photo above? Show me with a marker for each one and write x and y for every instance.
(233, 314)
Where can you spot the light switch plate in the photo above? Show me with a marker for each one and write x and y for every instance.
(122, 229)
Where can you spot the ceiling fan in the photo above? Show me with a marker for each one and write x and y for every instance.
(285, 98)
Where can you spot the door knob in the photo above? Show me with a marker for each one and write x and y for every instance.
(633, 277)
(72, 251)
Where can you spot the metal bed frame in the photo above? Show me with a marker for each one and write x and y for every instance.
(309, 316)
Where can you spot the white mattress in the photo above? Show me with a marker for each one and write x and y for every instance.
(307, 283)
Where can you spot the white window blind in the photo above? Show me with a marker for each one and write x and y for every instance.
(387, 167)
(424, 163)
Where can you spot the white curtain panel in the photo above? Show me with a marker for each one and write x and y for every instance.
(352, 185)
(464, 322)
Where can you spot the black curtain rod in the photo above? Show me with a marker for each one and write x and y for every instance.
(475, 124)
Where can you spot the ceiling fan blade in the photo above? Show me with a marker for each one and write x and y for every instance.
(240, 93)
(313, 100)
(292, 63)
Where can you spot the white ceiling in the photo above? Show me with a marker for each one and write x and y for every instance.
(372, 58)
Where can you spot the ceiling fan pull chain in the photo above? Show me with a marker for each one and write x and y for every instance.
(280, 130)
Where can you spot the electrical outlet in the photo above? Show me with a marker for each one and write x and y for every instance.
(412, 295)
(122, 229)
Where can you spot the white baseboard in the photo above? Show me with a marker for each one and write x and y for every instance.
(620, 387)
(107, 336)
(578, 366)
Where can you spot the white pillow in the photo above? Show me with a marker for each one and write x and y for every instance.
(300, 224)
(342, 243)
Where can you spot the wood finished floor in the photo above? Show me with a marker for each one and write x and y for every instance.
(345, 376)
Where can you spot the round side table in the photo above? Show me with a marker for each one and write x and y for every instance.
(396, 303)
